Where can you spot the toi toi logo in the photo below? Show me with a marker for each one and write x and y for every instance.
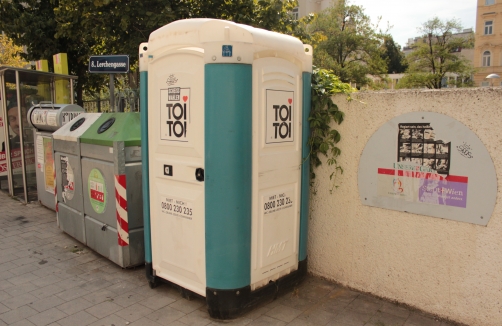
(280, 116)
(282, 126)
(175, 113)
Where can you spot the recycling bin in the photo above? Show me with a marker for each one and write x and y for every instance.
(69, 191)
(45, 118)
(111, 176)
(228, 164)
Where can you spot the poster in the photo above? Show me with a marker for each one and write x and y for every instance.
(48, 165)
(430, 164)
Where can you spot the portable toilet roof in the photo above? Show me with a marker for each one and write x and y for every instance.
(209, 35)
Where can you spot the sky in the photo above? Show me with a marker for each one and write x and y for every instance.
(406, 15)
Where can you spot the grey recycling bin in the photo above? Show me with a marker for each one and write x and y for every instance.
(69, 191)
(46, 118)
(112, 187)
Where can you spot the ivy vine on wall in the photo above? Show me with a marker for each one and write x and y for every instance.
(323, 139)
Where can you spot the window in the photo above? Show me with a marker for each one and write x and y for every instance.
(486, 59)
(485, 84)
(489, 2)
(295, 13)
(488, 27)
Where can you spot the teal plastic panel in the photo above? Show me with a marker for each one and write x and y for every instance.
(228, 105)
(304, 209)
(143, 104)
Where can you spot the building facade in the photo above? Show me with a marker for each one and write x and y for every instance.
(306, 7)
(488, 45)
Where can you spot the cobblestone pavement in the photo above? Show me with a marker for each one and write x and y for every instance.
(48, 278)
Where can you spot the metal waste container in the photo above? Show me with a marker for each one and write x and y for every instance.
(228, 165)
(111, 174)
(46, 118)
(69, 191)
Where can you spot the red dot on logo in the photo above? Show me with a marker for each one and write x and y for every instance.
(185, 98)
(290, 100)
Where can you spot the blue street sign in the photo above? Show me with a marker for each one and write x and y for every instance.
(109, 64)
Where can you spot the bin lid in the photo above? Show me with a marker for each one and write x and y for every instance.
(114, 127)
(50, 117)
(76, 127)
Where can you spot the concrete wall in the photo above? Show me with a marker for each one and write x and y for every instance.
(444, 267)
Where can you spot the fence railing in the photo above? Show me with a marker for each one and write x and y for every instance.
(122, 104)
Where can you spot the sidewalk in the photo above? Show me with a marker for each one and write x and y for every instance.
(48, 278)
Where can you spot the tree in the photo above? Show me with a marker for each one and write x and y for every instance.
(9, 53)
(82, 28)
(346, 42)
(393, 56)
(437, 55)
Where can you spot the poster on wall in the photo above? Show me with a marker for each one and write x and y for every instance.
(3, 155)
(430, 164)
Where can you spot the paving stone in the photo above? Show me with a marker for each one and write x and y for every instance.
(188, 306)
(100, 296)
(364, 306)
(157, 301)
(266, 321)
(352, 318)
(110, 320)
(19, 289)
(47, 317)
(18, 314)
(395, 310)
(24, 322)
(121, 288)
(3, 308)
(382, 318)
(165, 315)
(134, 312)
(128, 299)
(148, 322)
(81, 318)
(46, 303)
(344, 295)
(47, 291)
(103, 309)
(283, 313)
(19, 300)
(72, 293)
(416, 319)
(74, 306)
(195, 318)
(316, 317)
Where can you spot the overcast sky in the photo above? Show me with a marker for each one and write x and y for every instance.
(406, 15)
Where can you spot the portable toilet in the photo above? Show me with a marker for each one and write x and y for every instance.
(228, 165)
(69, 189)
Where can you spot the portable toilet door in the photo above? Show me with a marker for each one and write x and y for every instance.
(227, 175)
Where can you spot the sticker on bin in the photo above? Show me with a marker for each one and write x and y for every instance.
(277, 202)
(177, 207)
(67, 179)
(97, 191)
(280, 116)
(175, 114)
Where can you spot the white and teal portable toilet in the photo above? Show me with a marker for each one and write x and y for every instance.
(228, 108)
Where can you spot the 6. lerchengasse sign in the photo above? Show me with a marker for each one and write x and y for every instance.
(431, 164)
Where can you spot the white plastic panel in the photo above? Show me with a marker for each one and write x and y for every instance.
(276, 169)
(176, 150)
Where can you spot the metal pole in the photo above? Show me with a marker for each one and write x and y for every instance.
(72, 97)
(112, 94)
(21, 136)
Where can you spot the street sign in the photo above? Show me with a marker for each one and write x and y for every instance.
(109, 64)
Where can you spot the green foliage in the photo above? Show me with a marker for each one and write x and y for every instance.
(323, 139)
(436, 55)
(393, 56)
(346, 42)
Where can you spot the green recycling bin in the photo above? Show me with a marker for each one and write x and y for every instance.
(111, 173)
